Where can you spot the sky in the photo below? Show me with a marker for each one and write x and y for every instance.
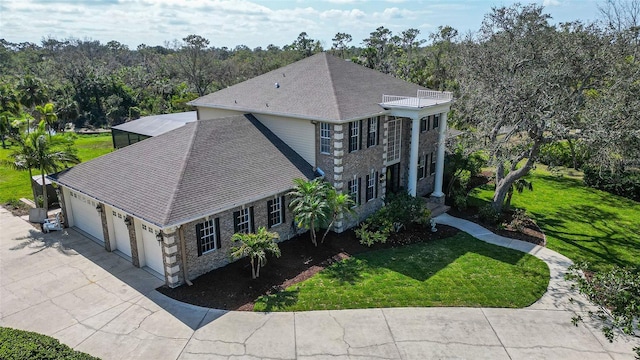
(252, 23)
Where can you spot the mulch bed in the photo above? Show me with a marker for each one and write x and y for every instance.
(231, 287)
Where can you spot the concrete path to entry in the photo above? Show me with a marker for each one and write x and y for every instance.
(64, 285)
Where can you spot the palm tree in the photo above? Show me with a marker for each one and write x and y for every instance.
(255, 246)
(9, 108)
(36, 150)
(340, 205)
(48, 115)
(310, 205)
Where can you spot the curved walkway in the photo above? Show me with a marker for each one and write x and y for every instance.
(63, 285)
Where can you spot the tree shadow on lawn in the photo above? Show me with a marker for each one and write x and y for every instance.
(601, 241)
(422, 261)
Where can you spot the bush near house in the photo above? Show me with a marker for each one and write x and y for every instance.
(21, 345)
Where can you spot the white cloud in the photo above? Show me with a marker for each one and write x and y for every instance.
(550, 2)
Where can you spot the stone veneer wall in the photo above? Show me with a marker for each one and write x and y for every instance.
(105, 227)
(198, 265)
(135, 258)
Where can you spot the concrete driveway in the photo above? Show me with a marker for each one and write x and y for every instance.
(64, 285)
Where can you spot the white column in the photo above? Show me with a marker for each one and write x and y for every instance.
(413, 155)
(442, 140)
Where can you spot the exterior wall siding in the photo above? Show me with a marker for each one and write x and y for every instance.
(208, 113)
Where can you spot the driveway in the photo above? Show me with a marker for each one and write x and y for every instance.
(64, 285)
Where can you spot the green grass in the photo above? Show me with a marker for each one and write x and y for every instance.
(15, 184)
(458, 271)
(581, 223)
(18, 344)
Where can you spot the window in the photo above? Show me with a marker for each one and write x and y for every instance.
(372, 135)
(424, 124)
(393, 142)
(325, 138)
(243, 220)
(144, 227)
(354, 135)
(354, 190)
(275, 210)
(436, 121)
(432, 168)
(208, 236)
(372, 188)
(421, 167)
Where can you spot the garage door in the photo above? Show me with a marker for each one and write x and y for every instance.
(121, 233)
(152, 249)
(85, 215)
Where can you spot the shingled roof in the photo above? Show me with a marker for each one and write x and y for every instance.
(321, 87)
(196, 170)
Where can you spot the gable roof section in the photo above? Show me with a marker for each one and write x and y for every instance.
(155, 125)
(320, 87)
(196, 170)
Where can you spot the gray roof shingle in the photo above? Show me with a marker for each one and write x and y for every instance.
(196, 170)
(320, 87)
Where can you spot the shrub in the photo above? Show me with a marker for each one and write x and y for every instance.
(489, 215)
(621, 182)
(369, 237)
(18, 344)
(405, 209)
(559, 154)
(519, 219)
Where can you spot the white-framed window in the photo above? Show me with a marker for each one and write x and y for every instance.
(424, 123)
(394, 129)
(208, 236)
(325, 138)
(354, 135)
(275, 210)
(243, 220)
(422, 160)
(372, 134)
(354, 190)
(372, 189)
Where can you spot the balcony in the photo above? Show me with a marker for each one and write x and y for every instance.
(424, 98)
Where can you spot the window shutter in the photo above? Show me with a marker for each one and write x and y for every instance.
(350, 138)
(360, 137)
(375, 187)
(216, 221)
(236, 215)
(283, 209)
(359, 190)
(252, 226)
(366, 192)
(199, 238)
(378, 132)
(269, 208)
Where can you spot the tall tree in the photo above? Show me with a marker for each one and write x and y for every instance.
(340, 43)
(522, 82)
(196, 63)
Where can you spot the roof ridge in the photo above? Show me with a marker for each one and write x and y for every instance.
(167, 214)
(333, 88)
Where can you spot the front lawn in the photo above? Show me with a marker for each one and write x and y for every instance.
(581, 223)
(15, 184)
(457, 271)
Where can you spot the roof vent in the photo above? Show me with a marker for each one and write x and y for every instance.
(283, 75)
(277, 85)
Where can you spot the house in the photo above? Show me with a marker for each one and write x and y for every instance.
(172, 202)
(148, 126)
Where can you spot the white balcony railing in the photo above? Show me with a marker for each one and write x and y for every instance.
(424, 98)
(437, 95)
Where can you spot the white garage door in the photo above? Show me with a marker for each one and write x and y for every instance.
(85, 215)
(121, 233)
(152, 249)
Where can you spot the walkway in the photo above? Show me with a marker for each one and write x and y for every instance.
(63, 285)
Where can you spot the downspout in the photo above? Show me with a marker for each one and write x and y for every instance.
(183, 250)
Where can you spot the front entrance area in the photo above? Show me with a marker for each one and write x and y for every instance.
(393, 178)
